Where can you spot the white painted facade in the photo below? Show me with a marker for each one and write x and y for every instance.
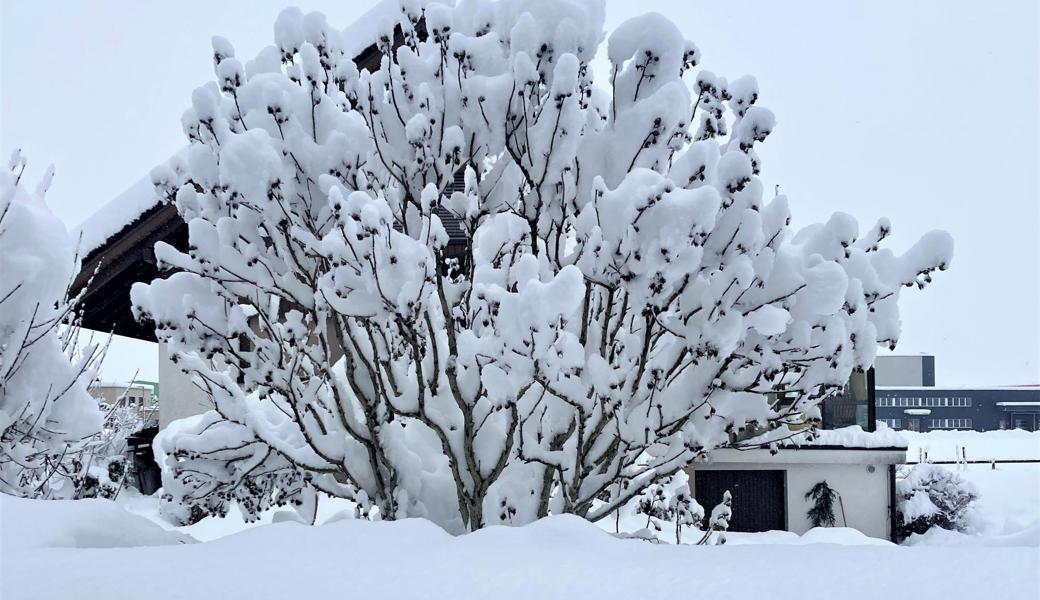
(860, 476)
(180, 396)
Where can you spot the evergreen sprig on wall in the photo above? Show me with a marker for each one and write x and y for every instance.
(822, 512)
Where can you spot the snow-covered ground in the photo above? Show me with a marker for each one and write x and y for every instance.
(1008, 509)
(560, 557)
(97, 549)
(990, 445)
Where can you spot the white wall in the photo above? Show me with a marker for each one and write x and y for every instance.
(178, 396)
(865, 495)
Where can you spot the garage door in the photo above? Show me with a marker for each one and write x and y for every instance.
(758, 497)
(1025, 421)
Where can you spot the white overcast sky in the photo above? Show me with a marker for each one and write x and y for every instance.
(925, 112)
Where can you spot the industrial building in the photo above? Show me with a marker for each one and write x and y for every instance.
(907, 398)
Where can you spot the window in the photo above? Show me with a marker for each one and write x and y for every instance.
(893, 423)
(922, 402)
(849, 407)
(950, 424)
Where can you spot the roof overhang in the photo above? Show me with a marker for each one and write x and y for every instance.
(807, 455)
(126, 258)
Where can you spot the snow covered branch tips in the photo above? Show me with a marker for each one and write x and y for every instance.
(46, 413)
(476, 286)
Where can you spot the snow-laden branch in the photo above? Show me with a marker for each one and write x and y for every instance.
(46, 412)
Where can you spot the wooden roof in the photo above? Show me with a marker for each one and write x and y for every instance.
(126, 258)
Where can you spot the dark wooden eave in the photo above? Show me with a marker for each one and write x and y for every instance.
(126, 258)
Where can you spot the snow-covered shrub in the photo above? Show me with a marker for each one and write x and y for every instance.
(121, 420)
(654, 504)
(103, 467)
(668, 503)
(46, 412)
(103, 477)
(685, 511)
(821, 514)
(931, 496)
(718, 522)
(625, 296)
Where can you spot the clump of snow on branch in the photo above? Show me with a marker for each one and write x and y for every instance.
(625, 299)
(46, 412)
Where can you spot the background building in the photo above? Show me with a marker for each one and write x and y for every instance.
(138, 396)
(907, 398)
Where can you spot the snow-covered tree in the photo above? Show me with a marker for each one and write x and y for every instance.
(46, 413)
(624, 299)
(932, 496)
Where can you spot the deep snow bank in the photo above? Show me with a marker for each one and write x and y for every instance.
(978, 445)
(937, 536)
(559, 557)
(76, 524)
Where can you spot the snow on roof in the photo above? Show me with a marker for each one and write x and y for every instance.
(852, 436)
(118, 384)
(966, 388)
(119, 212)
(364, 31)
(855, 437)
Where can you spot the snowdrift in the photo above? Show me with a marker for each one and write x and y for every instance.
(91, 523)
(559, 557)
(936, 536)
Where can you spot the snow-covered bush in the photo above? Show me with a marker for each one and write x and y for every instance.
(654, 504)
(718, 522)
(46, 412)
(931, 496)
(685, 511)
(668, 503)
(624, 299)
(104, 467)
(103, 477)
(663, 500)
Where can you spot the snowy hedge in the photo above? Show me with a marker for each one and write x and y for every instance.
(627, 298)
(933, 496)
